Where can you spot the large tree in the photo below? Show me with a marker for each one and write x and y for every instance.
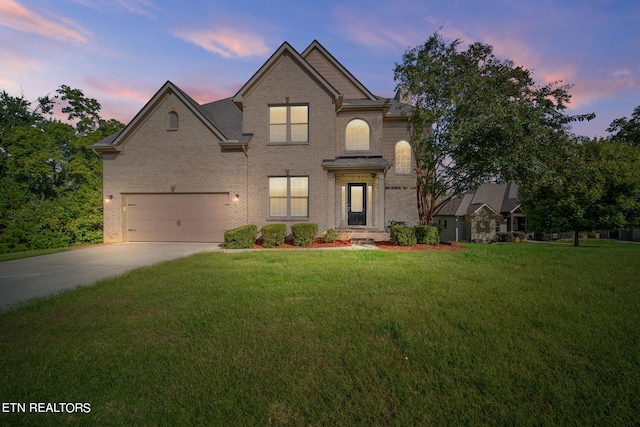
(595, 185)
(50, 182)
(475, 117)
(627, 130)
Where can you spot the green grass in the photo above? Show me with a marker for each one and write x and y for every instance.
(28, 254)
(518, 334)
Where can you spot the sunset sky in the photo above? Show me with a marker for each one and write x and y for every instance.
(122, 51)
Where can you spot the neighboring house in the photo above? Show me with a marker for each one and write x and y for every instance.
(478, 215)
(632, 235)
(302, 141)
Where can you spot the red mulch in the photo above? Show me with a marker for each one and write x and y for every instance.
(318, 243)
(453, 247)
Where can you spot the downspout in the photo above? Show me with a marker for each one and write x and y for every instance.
(246, 185)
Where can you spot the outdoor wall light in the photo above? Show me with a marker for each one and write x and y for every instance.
(108, 198)
(236, 198)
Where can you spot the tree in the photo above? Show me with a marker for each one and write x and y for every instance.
(595, 186)
(627, 130)
(16, 111)
(50, 182)
(475, 118)
(83, 111)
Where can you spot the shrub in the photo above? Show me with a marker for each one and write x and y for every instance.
(304, 233)
(401, 235)
(521, 234)
(329, 236)
(241, 237)
(273, 235)
(394, 222)
(427, 234)
(504, 237)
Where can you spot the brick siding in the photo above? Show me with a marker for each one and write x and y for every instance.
(190, 160)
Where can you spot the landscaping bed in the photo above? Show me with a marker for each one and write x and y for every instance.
(448, 247)
(318, 243)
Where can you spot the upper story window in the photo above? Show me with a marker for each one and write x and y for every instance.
(289, 123)
(357, 135)
(173, 120)
(403, 157)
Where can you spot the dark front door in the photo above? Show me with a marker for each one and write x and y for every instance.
(357, 204)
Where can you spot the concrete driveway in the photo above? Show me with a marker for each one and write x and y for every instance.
(27, 278)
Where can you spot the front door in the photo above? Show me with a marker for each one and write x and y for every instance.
(357, 204)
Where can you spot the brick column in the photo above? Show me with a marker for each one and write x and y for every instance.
(331, 200)
(381, 205)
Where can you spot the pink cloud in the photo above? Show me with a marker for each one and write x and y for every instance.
(139, 7)
(203, 94)
(227, 42)
(368, 30)
(115, 90)
(15, 61)
(18, 17)
(588, 90)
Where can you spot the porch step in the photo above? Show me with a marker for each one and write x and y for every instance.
(374, 235)
(361, 241)
(363, 244)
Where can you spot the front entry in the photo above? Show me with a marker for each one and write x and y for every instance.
(357, 204)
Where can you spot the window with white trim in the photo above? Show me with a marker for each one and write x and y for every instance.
(289, 196)
(357, 135)
(289, 123)
(403, 157)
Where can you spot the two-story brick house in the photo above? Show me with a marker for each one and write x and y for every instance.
(302, 141)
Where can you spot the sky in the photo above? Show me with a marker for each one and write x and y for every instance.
(121, 52)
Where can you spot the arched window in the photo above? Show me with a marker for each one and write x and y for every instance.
(403, 157)
(173, 120)
(357, 135)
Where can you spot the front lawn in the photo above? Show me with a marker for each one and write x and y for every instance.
(517, 334)
(10, 256)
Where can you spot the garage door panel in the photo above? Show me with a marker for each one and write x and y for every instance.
(138, 212)
(177, 217)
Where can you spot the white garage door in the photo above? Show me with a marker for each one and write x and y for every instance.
(177, 217)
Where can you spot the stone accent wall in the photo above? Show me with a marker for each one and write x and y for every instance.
(482, 225)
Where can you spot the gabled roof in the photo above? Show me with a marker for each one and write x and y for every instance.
(226, 116)
(205, 113)
(500, 198)
(315, 45)
(477, 207)
(491, 194)
(284, 49)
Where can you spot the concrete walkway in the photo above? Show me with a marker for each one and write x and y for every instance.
(27, 278)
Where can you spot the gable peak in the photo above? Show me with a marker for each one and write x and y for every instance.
(315, 46)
